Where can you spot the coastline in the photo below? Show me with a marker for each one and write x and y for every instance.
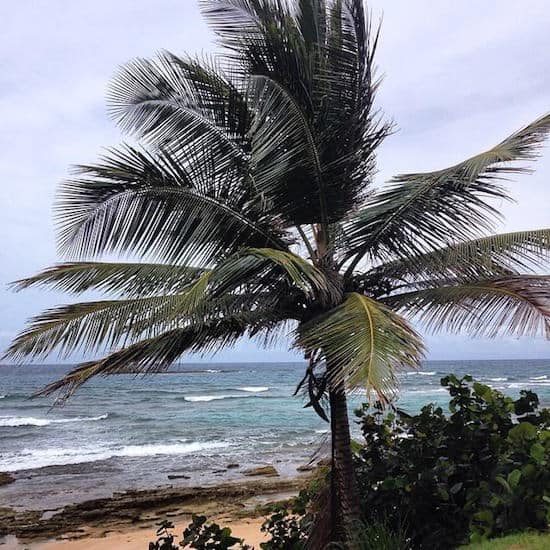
(130, 517)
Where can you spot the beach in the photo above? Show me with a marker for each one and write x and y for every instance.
(131, 518)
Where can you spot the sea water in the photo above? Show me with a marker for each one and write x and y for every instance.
(190, 423)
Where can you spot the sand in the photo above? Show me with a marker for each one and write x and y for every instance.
(138, 539)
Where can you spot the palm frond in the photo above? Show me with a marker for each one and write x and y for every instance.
(125, 279)
(136, 203)
(515, 306)
(286, 164)
(90, 326)
(180, 100)
(250, 266)
(364, 343)
(417, 213)
(149, 356)
(158, 353)
(247, 281)
(489, 257)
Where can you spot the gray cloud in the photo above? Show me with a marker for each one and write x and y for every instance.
(459, 76)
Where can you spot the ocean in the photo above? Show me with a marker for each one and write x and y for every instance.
(127, 432)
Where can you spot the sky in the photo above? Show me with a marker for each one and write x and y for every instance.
(458, 78)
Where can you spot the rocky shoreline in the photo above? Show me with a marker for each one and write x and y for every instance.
(137, 509)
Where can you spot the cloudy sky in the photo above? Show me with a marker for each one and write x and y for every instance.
(459, 76)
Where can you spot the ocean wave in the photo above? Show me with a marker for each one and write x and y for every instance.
(31, 459)
(201, 398)
(498, 379)
(254, 389)
(17, 421)
(207, 398)
(543, 377)
(321, 431)
(541, 383)
(427, 392)
(3, 396)
(421, 373)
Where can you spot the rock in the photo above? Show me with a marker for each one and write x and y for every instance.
(219, 471)
(5, 478)
(305, 468)
(267, 471)
(178, 476)
(234, 465)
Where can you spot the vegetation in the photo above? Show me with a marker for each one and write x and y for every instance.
(521, 541)
(250, 208)
(198, 535)
(479, 472)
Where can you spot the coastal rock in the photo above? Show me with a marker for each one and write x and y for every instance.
(6, 478)
(305, 468)
(178, 476)
(267, 471)
(233, 465)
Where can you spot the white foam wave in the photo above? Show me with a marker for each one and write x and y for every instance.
(254, 389)
(16, 421)
(528, 385)
(543, 377)
(427, 392)
(321, 431)
(421, 373)
(3, 396)
(29, 459)
(213, 371)
(201, 398)
(497, 379)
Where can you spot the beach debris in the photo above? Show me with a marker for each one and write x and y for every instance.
(268, 471)
(6, 478)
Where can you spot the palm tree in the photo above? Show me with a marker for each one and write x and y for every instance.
(248, 208)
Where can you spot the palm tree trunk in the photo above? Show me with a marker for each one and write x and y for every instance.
(344, 496)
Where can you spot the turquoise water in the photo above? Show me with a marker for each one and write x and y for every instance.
(126, 432)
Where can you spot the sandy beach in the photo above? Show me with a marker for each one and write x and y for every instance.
(128, 520)
(248, 529)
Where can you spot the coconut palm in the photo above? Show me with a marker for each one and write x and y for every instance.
(248, 208)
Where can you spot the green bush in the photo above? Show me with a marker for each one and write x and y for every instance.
(480, 471)
(198, 535)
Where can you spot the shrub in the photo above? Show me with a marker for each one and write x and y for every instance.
(198, 535)
(478, 472)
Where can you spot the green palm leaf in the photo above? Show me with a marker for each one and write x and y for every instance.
(488, 257)
(126, 279)
(364, 343)
(517, 306)
(417, 213)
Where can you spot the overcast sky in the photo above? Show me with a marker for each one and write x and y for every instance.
(459, 77)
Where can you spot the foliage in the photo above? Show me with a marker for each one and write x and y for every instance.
(286, 531)
(165, 539)
(520, 541)
(379, 535)
(199, 535)
(481, 470)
